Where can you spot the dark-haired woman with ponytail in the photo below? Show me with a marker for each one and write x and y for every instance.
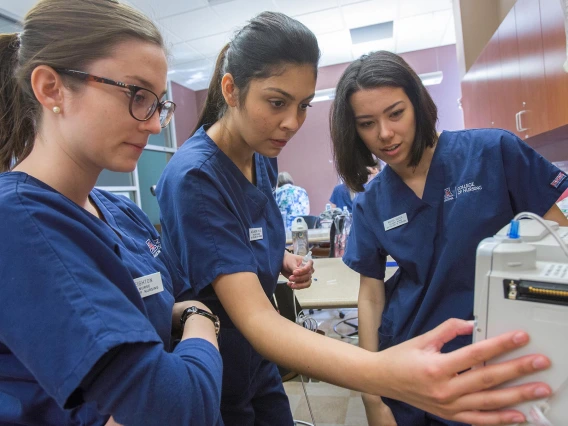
(222, 226)
(86, 291)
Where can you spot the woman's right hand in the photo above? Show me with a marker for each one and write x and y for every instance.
(417, 373)
(378, 413)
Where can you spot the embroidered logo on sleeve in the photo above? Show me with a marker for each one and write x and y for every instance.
(558, 180)
(155, 246)
(448, 196)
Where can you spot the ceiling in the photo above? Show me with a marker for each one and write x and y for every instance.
(196, 30)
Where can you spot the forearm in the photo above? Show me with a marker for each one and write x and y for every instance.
(308, 353)
(370, 309)
(144, 385)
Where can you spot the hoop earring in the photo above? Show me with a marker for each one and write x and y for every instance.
(56, 110)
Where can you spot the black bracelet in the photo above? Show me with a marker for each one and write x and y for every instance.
(193, 310)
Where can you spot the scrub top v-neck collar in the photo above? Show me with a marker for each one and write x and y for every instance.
(434, 181)
(253, 192)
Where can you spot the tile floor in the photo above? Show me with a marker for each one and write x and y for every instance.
(331, 405)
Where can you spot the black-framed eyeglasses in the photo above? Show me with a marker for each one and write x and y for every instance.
(143, 102)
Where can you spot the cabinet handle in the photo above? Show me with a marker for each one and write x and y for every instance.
(517, 121)
(520, 125)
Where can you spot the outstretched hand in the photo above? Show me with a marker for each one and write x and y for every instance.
(418, 374)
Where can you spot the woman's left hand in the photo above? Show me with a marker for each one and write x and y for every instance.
(298, 277)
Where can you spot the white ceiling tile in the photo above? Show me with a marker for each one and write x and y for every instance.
(361, 49)
(300, 7)
(369, 12)
(335, 48)
(343, 2)
(323, 22)
(195, 24)
(237, 13)
(210, 46)
(421, 32)
(183, 52)
(169, 37)
(159, 8)
(419, 7)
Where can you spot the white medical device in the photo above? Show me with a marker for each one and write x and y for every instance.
(521, 283)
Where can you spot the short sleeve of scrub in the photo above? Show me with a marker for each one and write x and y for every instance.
(525, 168)
(204, 229)
(71, 307)
(364, 253)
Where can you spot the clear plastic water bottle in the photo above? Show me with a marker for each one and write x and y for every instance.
(339, 241)
(300, 236)
(346, 226)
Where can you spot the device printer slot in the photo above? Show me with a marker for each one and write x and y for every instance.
(536, 291)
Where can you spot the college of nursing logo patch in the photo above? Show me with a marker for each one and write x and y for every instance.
(155, 246)
(462, 189)
(558, 180)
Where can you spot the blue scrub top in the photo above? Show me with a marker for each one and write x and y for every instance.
(69, 300)
(215, 222)
(341, 197)
(477, 182)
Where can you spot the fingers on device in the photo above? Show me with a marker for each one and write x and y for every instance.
(521, 283)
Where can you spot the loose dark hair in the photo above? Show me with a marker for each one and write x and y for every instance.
(378, 69)
(61, 34)
(261, 49)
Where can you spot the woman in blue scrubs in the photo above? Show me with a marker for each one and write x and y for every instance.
(439, 196)
(87, 306)
(222, 226)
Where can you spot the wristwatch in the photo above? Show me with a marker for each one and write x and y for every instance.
(194, 310)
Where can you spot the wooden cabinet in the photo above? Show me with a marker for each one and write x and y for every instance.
(518, 80)
(532, 119)
(554, 45)
(476, 88)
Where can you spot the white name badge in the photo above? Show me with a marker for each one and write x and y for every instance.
(255, 234)
(395, 222)
(149, 284)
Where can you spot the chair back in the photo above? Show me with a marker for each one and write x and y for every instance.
(312, 221)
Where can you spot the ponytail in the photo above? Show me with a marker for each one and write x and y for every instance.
(215, 105)
(17, 131)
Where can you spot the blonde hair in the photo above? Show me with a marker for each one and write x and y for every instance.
(61, 34)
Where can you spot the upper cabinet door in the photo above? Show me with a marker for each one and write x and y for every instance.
(510, 73)
(554, 43)
(533, 117)
(502, 112)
